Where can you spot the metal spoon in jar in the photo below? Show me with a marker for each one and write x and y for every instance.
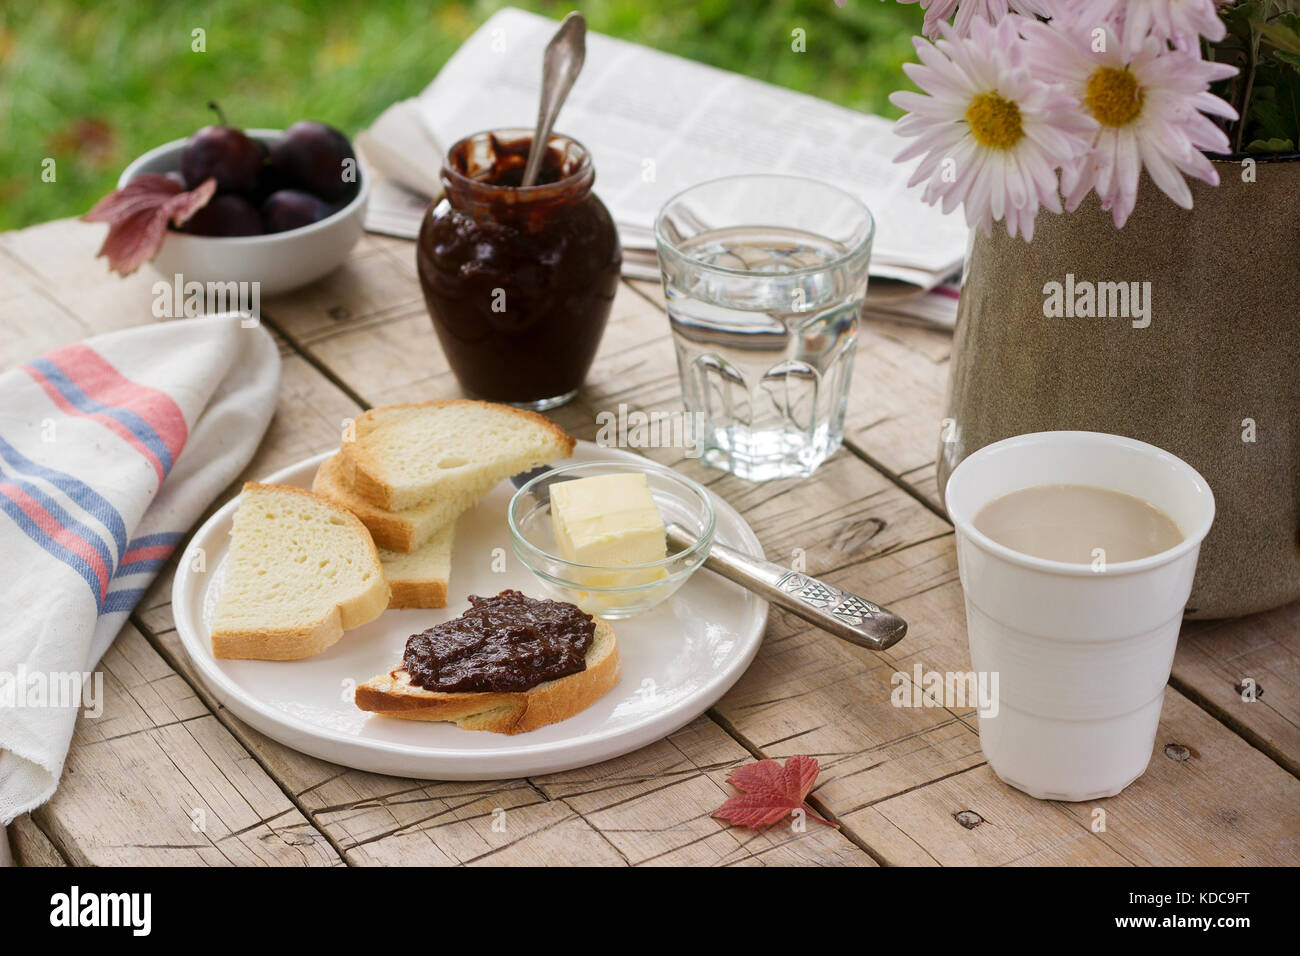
(564, 57)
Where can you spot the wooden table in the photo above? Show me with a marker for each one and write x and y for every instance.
(907, 786)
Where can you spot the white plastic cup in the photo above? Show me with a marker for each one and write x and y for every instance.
(1081, 656)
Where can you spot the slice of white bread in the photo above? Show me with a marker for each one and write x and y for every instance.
(419, 579)
(393, 695)
(301, 571)
(404, 455)
(403, 531)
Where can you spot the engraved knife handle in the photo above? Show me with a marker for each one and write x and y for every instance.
(845, 615)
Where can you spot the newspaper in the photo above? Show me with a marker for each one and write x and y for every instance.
(656, 124)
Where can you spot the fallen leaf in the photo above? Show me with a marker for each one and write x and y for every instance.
(137, 216)
(770, 792)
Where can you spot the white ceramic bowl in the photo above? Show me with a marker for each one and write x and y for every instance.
(279, 261)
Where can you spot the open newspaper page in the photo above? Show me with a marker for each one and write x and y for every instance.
(657, 123)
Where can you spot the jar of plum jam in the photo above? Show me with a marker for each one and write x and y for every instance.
(518, 280)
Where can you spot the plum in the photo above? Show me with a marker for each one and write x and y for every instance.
(317, 159)
(269, 181)
(224, 153)
(225, 215)
(292, 208)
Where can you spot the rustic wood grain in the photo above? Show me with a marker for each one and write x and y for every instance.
(30, 846)
(375, 285)
(895, 414)
(59, 258)
(851, 524)
(1181, 812)
(156, 779)
(654, 806)
(671, 788)
(33, 320)
(1217, 659)
(850, 514)
(868, 521)
(379, 820)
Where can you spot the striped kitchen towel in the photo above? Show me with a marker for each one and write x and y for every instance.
(110, 450)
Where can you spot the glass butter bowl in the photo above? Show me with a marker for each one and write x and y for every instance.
(612, 592)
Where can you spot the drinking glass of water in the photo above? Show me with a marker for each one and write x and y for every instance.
(765, 277)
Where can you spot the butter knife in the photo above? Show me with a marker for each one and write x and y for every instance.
(849, 617)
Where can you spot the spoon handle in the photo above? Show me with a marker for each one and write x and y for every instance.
(847, 616)
(560, 67)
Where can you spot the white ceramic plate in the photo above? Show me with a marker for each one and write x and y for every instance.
(677, 659)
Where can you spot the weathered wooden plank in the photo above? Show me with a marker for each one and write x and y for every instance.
(654, 805)
(850, 524)
(394, 821)
(851, 513)
(896, 407)
(1246, 672)
(375, 819)
(33, 321)
(809, 693)
(376, 284)
(61, 255)
(29, 846)
(398, 360)
(1204, 800)
(157, 779)
(806, 692)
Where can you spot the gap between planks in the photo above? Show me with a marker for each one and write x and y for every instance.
(225, 718)
(1247, 734)
(907, 488)
(305, 353)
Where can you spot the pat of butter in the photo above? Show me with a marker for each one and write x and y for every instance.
(609, 521)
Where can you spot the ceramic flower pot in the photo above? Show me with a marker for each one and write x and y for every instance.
(1182, 330)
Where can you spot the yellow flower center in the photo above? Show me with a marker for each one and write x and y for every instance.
(1113, 96)
(994, 121)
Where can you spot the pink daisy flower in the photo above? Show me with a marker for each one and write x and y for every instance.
(1177, 21)
(990, 135)
(990, 11)
(1149, 107)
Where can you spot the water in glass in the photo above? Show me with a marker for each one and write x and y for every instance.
(765, 330)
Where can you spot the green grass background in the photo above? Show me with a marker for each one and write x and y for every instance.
(92, 85)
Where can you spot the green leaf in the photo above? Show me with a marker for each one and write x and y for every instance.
(1242, 19)
(1270, 146)
(1248, 11)
(1282, 36)
(1275, 103)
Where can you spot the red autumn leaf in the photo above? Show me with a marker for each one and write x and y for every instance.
(137, 217)
(770, 792)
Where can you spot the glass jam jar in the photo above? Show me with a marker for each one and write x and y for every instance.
(518, 280)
